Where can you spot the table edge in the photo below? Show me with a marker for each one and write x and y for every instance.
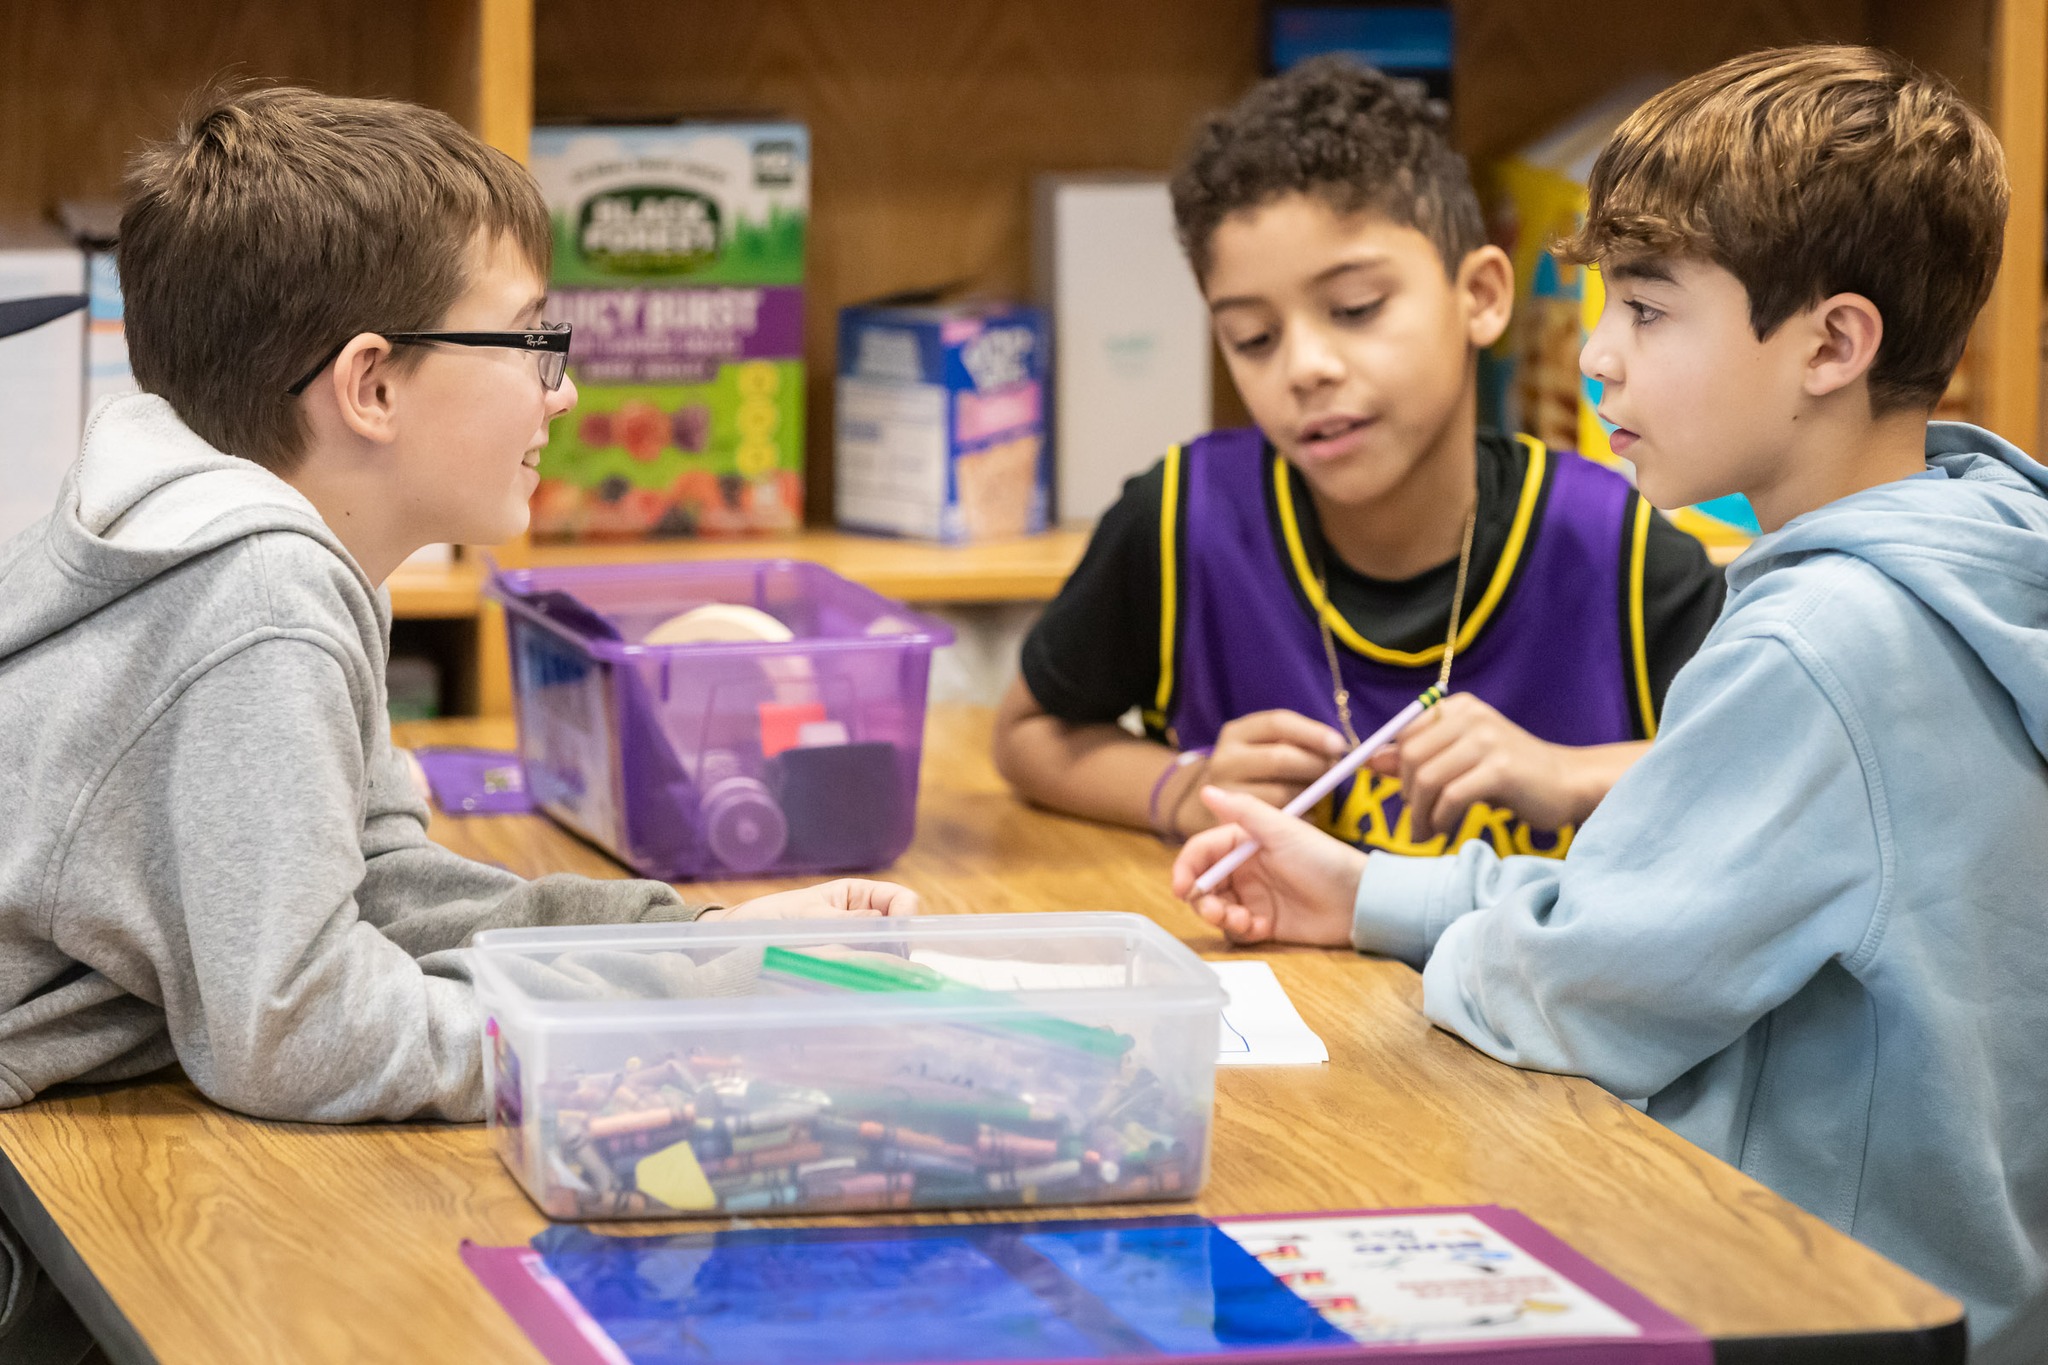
(1943, 1344)
(1933, 1343)
(67, 1269)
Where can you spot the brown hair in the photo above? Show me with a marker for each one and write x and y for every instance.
(1812, 171)
(1353, 137)
(278, 223)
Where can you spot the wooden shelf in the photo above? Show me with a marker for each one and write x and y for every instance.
(923, 163)
(436, 592)
(1028, 570)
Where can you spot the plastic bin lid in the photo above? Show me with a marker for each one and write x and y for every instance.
(952, 966)
(605, 590)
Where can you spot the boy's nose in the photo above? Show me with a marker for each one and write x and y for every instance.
(562, 399)
(1311, 360)
(1597, 358)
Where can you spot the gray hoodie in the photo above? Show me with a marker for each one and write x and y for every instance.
(213, 854)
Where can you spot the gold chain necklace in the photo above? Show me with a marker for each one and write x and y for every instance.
(1342, 694)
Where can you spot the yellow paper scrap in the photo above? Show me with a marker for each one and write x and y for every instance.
(673, 1176)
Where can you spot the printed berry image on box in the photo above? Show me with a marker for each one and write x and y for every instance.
(679, 257)
(691, 417)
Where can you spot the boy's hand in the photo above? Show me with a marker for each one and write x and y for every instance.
(1272, 755)
(849, 896)
(1299, 887)
(1462, 751)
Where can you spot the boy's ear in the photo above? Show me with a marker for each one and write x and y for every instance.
(1844, 333)
(1486, 281)
(363, 389)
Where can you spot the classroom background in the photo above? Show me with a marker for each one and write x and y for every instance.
(891, 287)
(963, 155)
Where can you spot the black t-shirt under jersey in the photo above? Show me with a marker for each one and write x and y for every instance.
(1095, 653)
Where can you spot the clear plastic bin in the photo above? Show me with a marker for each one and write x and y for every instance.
(707, 760)
(807, 1067)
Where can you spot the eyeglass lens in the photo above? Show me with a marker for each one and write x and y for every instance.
(553, 365)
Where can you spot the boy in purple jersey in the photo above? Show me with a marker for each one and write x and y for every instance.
(1263, 595)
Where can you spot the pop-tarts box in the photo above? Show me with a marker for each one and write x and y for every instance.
(942, 421)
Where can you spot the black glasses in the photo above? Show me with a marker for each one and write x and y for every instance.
(548, 342)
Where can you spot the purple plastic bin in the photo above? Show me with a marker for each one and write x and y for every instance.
(672, 757)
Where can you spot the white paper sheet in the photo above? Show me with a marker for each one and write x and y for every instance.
(1261, 1027)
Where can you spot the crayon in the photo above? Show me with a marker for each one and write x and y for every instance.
(753, 1201)
(637, 1121)
(991, 1142)
(788, 1154)
(652, 1077)
(635, 1144)
(869, 1185)
(1024, 1177)
(904, 1139)
(779, 1115)
(825, 1177)
(761, 1142)
(935, 1163)
(595, 1168)
(774, 1178)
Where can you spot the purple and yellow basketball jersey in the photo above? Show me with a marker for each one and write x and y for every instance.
(1555, 641)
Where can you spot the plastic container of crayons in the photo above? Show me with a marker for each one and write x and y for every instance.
(735, 718)
(972, 1061)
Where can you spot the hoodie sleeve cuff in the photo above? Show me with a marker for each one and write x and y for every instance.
(1399, 911)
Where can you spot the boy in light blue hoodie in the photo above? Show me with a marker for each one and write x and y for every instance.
(1810, 928)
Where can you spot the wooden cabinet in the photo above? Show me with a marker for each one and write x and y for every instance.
(929, 118)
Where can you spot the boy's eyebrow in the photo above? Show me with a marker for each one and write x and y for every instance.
(1643, 268)
(1365, 262)
(533, 309)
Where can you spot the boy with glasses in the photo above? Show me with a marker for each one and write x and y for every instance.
(335, 311)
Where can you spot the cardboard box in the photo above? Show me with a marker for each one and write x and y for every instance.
(679, 255)
(42, 375)
(684, 203)
(941, 421)
(1131, 347)
(691, 418)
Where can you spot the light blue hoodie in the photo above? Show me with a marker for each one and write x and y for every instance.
(1810, 927)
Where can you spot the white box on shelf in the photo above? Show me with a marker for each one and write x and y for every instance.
(107, 372)
(42, 375)
(1130, 332)
(94, 224)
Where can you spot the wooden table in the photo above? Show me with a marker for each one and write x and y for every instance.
(186, 1233)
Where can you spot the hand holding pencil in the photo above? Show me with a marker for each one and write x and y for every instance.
(1302, 885)
(1299, 889)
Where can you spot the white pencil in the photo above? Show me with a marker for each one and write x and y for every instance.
(1323, 786)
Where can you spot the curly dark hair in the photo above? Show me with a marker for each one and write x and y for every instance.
(1348, 134)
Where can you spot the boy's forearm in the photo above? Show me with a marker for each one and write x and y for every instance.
(1099, 771)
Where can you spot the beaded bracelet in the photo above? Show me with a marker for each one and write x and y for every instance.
(1180, 760)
